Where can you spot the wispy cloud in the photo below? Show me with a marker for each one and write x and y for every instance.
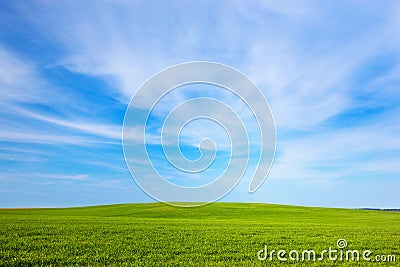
(308, 73)
(19, 80)
(21, 83)
(93, 128)
(77, 177)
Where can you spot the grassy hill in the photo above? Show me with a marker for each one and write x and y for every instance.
(224, 234)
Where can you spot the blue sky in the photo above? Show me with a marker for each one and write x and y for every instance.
(330, 71)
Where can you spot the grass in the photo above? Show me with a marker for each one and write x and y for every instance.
(220, 234)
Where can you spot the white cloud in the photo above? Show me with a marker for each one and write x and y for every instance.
(336, 154)
(77, 177)
(19, 80)
(14, 135)
(306, 85)
(101, 40)
(100, 129)
(33, 177)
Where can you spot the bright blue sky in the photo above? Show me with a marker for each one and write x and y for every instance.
(329, 69)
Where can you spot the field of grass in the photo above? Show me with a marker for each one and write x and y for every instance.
(222, 234)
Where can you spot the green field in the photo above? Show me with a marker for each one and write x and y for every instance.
(222, 234)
